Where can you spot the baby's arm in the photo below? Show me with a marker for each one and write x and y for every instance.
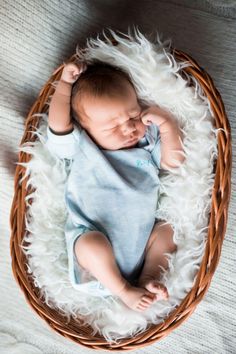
(170, 134)
(59, 119)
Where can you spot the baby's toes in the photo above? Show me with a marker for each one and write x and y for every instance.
(141, 308)
(146, 300)
(143, 305)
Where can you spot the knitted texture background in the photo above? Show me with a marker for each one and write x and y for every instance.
(36, 37)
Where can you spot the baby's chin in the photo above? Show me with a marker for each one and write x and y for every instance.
(112, 148)
(124, 146)
(129, 146)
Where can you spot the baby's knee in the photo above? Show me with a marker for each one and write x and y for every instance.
(163, 235)
(90, 245)
(168, 234)
(88, 241)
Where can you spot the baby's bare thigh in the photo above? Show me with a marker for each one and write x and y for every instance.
(89, 245)
(162, 233)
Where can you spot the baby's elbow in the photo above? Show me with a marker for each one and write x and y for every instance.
(181, 159)
(172, 162)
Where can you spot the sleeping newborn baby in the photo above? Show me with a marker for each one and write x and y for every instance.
(117, 145)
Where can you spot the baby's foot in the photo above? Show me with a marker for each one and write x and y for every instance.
(154, 286)
(137, 299)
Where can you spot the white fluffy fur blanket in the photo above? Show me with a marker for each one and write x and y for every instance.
(185, 192)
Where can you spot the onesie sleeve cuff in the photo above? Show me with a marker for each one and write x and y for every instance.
(63, 146)
(60, 133)
(156, 150)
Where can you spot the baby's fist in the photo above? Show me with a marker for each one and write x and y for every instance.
(153, 115)
(147, 116)
(72, 71)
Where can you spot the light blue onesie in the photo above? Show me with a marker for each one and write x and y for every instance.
(112, 191)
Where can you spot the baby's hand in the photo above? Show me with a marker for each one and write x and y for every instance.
(154, 114)
(72, 71)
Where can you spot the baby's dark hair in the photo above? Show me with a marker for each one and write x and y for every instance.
(99, 80)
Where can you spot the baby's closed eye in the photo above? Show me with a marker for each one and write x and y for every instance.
(115, 126)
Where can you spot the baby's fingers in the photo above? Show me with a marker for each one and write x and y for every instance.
(80, 70)
(70, 66)
(146, 119)
(84, 66)
(81, 65)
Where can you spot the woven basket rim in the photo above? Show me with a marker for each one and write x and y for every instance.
(217, 224)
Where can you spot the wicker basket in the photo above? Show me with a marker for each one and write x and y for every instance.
(82, 334)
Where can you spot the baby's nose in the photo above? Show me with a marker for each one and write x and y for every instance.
(128, 128)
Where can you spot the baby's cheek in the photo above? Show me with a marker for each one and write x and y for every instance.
(119, 137)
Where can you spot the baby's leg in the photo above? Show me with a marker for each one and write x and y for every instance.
(160, 242)
(94, 253)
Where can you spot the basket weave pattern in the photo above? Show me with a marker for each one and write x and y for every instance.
(74, 330)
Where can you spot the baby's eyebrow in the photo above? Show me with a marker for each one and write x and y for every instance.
(132, 110)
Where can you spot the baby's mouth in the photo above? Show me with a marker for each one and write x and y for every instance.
(132, 142)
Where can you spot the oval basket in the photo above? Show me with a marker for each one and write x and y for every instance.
(221, 191)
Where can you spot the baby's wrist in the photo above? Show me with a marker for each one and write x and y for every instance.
(64, 88)
(168, 125)
(164, 119)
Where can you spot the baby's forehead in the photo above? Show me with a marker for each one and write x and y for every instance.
(106, 110)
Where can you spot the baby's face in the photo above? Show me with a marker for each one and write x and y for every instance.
(112, 123)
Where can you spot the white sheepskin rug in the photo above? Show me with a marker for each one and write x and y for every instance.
(185, 192)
